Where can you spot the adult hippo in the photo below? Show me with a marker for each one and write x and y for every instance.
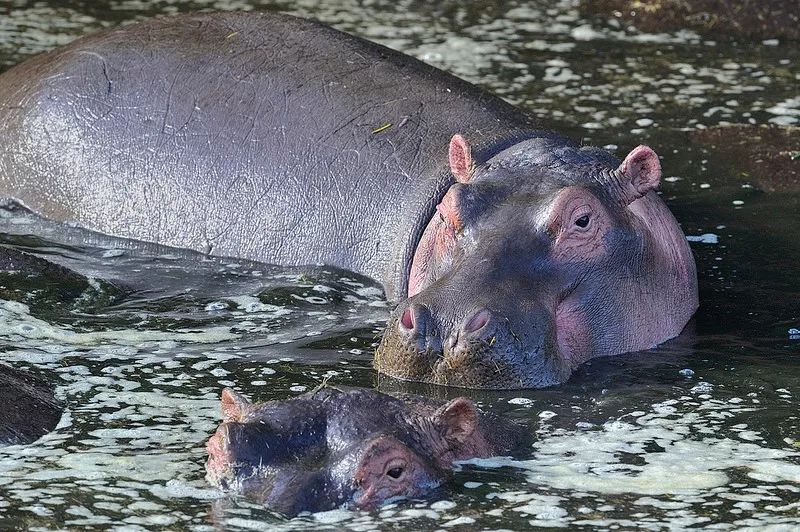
(515, 254)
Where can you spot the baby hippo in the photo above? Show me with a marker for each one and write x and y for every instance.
(353, 447)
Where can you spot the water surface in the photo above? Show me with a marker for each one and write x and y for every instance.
(702, 431)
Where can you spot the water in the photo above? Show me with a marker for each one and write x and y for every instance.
(702, 431)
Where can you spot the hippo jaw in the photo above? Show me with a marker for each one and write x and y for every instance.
(540, 259)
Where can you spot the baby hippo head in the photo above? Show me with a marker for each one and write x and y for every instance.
(355, 447)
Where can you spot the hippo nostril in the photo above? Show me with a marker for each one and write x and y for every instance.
(407, 319)
(477, 322)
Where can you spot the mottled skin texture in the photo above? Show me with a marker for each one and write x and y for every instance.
(277, 139)
(353, 447)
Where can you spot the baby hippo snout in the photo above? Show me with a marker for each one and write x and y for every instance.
(219, 463)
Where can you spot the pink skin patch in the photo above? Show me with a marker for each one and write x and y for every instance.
(577, 223)
(388, 469)
(218, 460)
(460, 158)
(449, 212)
(436, 245)
(572, 334)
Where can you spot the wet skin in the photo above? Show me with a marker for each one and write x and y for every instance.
(514, 255)
(353, 447)
(30, 410)
(539, 259)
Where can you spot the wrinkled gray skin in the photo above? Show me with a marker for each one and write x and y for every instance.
(276, 139)
(242, 134)
(353, 447)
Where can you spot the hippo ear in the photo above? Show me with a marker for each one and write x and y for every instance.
(460, 155)
(234, 406)
(639, 173)
(458, 419)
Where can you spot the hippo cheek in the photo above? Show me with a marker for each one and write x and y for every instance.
(436, 251)
(487, 351)
(388, 471)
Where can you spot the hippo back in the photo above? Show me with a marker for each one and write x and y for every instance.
(260, 136)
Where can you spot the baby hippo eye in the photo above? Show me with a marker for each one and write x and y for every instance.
(583, 221)
(395, 472)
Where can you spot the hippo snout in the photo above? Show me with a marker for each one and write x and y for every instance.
(218, 465)
(416, 325)
(483, 349)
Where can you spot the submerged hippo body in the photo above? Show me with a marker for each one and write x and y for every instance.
(30, 409)
(352, 447)
(515, 254)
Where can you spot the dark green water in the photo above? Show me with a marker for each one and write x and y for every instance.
(701, 432)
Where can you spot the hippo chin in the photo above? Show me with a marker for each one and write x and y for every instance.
(348, 447)
(514, 257)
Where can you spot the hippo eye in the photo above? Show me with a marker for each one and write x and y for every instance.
(395, 472)
(583, 221)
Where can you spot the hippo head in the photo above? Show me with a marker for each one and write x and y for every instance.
(540, 258)
(324, 450)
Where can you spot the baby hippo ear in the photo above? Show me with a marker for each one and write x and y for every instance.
(460, 155)
(458, 419)
(234, 406)
(639, 173)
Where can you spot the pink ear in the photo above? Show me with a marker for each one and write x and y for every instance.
(458, 418)
(234, 406)
(461, 163)
(639, 173)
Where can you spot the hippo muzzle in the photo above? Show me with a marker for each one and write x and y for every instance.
(501, 342)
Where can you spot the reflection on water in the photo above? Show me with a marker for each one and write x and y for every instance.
(703, 431)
